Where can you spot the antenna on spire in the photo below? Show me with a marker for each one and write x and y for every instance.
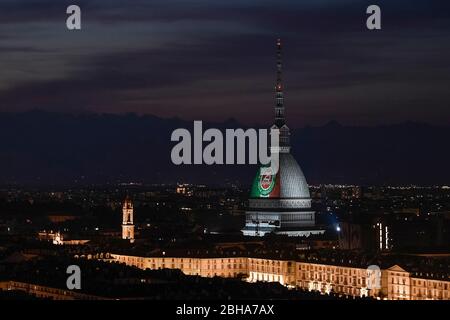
(279, 66)
(280, 121)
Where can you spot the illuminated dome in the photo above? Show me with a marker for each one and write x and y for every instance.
(280, 203)
(290, 182)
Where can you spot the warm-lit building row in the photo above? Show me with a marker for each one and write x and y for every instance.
(395, 283)
(45, 292)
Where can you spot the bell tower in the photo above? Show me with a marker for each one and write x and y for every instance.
(280, 121)
(127, 220)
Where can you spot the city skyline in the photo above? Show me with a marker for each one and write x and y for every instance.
(232, 158)
(335, 265)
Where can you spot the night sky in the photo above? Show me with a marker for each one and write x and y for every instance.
(214, 60)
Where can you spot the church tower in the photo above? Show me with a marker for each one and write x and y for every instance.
(127, 220)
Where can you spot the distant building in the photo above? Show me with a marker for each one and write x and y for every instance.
(410, 231)
(280, 202)
(58, 238)
(184, 189)
(382, 235)
(127, 220)
(46, 292)
(351, 236)
(365, 235)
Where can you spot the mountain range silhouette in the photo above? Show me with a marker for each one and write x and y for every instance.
(48, 148)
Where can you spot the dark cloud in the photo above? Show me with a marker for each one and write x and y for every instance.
(216, 59)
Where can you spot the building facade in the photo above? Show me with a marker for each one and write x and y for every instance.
(45, 292)
(395, 283)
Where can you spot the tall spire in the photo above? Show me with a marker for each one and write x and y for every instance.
(127, 220)
(280, 121)
(279, 106)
